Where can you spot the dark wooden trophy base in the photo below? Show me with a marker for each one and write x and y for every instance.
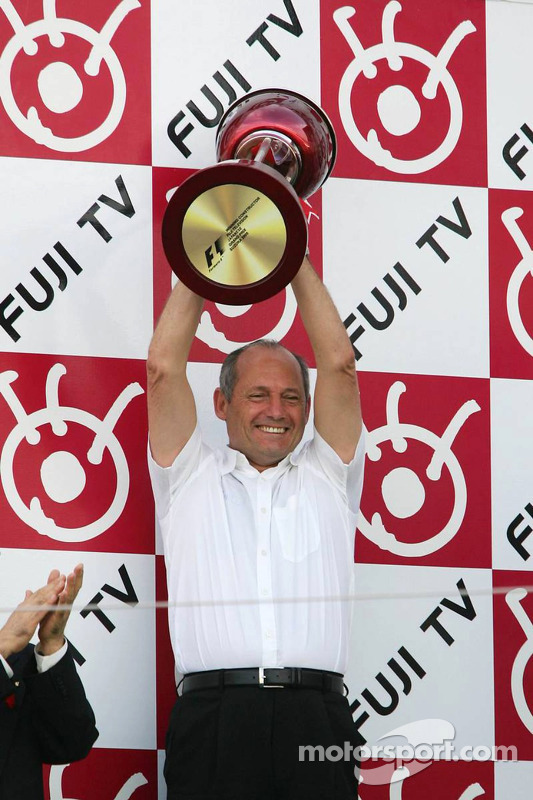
(235, 233)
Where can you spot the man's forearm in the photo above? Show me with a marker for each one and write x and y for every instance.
(330, 342)
(337, 410)
(175, 329)
(171, 406)
(7, 645)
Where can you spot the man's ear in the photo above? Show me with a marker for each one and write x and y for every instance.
(220, 403)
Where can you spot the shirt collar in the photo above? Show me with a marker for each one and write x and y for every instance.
(235, 461)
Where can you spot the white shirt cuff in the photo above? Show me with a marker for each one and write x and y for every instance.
(44, 663)
(9, 671)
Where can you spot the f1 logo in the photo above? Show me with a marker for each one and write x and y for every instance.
(219, 249)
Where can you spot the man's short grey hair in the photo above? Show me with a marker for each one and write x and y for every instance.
(228, 372)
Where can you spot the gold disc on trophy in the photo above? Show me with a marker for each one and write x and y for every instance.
(234, 234)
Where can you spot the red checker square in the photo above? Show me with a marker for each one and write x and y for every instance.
(513, 667)
(76, 87)
(104, 774)
(73, 435)
(426, 494)
(440, 780)
(405, 88)
(511, 283)
(166, 683)
(225, 328)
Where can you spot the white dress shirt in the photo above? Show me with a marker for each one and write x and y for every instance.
(256, 561)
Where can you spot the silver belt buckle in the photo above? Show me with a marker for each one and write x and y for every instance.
(268, 685)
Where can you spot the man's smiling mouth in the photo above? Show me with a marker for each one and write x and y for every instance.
(271, 429)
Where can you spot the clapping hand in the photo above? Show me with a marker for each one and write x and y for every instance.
(52, 625)
(23, 622)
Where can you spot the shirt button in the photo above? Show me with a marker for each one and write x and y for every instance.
(268, 635)
(264, 592)
(263, 510)
(264, 552)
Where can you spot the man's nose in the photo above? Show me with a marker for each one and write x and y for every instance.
(276, 408)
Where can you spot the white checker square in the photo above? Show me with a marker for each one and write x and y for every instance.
(105, 309)
(512, 473)
(439, 328)
(513, 780)
(457, 686)
(192, 41)
(509, 68)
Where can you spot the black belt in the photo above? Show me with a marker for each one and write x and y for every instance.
(265, 678)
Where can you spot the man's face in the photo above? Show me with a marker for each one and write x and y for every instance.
(268, 411)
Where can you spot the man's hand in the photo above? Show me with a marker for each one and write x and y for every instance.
(52, 626)
(22, 623)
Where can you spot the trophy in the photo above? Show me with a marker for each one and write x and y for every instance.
(236, 232)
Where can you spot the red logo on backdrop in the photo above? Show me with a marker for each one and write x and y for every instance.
(445, 780)
(427, 488)
(408, 96)
(67, 85)
(511, 284)
(109, 774)
(71, 467)
(224, 328)
(513, 664)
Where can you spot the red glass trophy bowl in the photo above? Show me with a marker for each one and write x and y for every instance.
(235, 232)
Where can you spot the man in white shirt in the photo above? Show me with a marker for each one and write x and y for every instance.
(258, 545)
(45, 717)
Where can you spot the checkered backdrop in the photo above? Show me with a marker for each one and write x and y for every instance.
(424, 236)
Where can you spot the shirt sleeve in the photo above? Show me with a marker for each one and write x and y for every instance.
(7, 668)
(347, 478)
(167, 481)
(44, 663)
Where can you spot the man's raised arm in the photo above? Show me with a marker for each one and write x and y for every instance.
(171, 406)
(337, 407)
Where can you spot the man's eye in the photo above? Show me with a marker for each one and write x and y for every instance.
(292, 398)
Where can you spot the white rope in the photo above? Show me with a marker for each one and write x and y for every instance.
(163, 604)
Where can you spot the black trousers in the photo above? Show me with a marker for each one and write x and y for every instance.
(244, 743)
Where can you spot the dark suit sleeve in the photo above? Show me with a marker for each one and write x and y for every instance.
(61, 715)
